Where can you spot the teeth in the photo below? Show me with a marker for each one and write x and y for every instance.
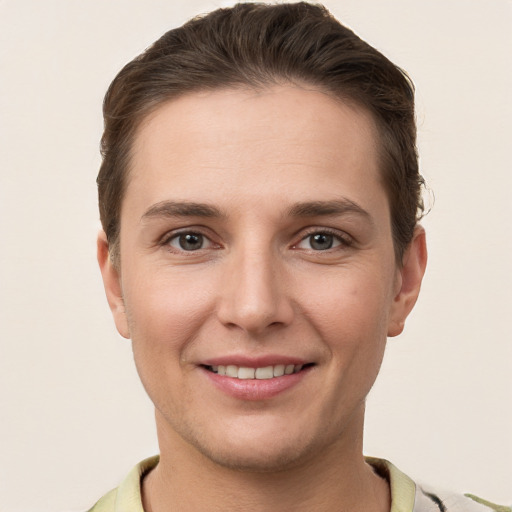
(231, 371)
(266, 372)
(246, 373)
(278, 370)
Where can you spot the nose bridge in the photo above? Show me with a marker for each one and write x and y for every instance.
(253, 290)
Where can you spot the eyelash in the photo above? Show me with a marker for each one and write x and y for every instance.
(167, 239)
(344, 240)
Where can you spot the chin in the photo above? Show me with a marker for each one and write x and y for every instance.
(255, 459)
(256, 443)
(256, 450)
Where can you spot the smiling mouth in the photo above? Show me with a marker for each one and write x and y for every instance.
(261, 373)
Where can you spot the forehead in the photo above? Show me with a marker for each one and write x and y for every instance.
(254, 143)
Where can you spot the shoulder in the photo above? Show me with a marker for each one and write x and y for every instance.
(428, 500)
(127, 497)
(409, 496)
(105, 504)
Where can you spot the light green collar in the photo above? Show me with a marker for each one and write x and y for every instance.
(127, 497)
(403, 489)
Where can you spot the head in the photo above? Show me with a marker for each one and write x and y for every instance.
(255, 46)
(259, 194)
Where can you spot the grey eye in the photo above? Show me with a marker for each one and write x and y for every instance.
(188, 241)
(321, 241)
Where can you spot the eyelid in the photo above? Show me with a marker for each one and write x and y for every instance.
(196, 230)
(344, 238)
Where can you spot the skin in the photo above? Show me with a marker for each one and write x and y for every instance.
(278, 166)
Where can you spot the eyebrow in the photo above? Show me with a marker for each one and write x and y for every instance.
(335, 207)
(182, 209)
(169, 209)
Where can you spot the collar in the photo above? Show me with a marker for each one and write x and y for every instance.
(127, 497)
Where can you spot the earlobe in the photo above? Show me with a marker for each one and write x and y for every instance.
(409, 280)
(112, 283)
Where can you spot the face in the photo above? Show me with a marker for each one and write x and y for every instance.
(258, 278)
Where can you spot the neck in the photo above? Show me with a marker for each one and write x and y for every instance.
(336, 480)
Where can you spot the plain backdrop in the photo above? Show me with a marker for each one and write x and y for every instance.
(75, 418)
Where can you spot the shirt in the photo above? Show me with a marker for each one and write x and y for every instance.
(406, 496)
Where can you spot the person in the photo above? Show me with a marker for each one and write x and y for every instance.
(260, 201)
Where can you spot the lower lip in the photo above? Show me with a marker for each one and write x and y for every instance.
(255, 389)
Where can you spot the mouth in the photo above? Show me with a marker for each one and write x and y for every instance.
(259, 373)
(255, 380)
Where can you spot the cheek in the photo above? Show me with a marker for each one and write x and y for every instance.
(164, 318)
(164, 315)
(357, 300)
(351, 316)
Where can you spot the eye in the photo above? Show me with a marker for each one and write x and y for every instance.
(322, 241)
(189, 241)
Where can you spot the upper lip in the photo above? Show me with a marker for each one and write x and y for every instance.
(253, 362)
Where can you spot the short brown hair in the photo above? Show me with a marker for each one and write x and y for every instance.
(258, 45)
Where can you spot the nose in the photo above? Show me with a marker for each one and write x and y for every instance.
(253, 294)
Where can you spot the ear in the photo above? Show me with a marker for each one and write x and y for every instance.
(409, 278)
(112, 283)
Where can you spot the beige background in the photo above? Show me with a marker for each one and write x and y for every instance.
(74, 416)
